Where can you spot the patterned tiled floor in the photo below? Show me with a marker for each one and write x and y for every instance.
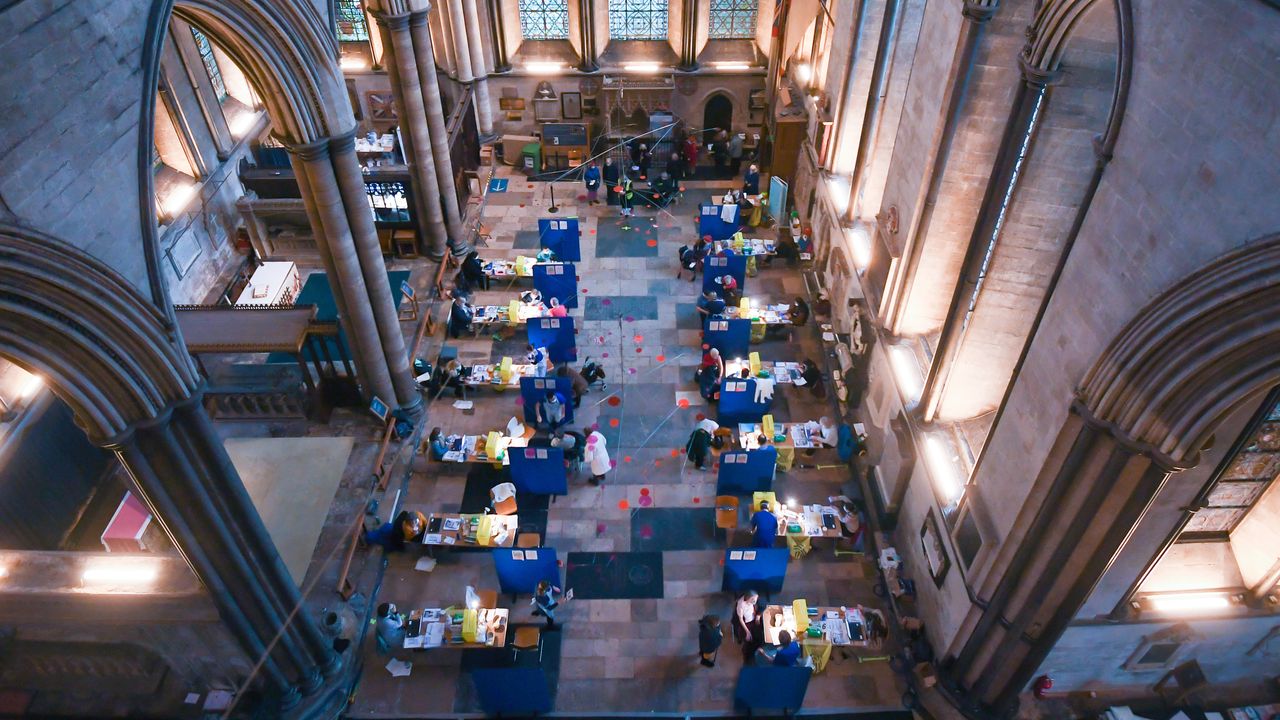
(626, 656)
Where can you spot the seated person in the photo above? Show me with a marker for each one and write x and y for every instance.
(786, 247)
(828, 433)
(411, 525)
(460, 316)
(788, 654)
(448, 375)
(710, 304)
(551, 410)
(390, 627)
(545, 255)
(851, 527)
(473, 271)
(799, 312)
(556, 309)
(437, 444)
(729, 286)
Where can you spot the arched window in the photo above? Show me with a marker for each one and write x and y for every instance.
(638, 19)
(210, 63)
(733, 19)
(544, 19)
(352, 26)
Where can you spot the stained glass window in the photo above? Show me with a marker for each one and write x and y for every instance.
(210, 63)
(733, 19)
(544, 19)
(638, 19)
(351, 23)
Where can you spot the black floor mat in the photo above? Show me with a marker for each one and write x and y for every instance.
(658, 529)
(527, 240)
(614, 576)
(626, 237)
(467, 700)
(531, 509)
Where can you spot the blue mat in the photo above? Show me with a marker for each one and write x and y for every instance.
(614, 307)
(612, 240)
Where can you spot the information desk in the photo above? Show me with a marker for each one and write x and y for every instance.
(801, 435)
(521, 267)
(750, 246)
(778, 314)
(472, 448)
(470, 530)
(843, 627)
(781, 372)
(491, 314)
(435, 628)
(482, 375)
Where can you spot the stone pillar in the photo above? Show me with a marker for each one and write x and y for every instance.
(587, 29)
(1018, 136)
(419, 28)
(871, 116)
(475, 43)
(402, 67)
(183, 473)
(1099, 492)
(843, 114)
(457, 23)
(688, 34)
(977, 13)
(499, 36)
(332, 188)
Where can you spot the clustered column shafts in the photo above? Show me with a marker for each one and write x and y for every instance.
(587, 29)
(424, 51)
(498, 34)
(402, 68)
(689, 40)
(475, 44)
(456, 21)
(333, 192)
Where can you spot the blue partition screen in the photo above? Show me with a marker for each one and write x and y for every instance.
(713, 267)
(731, 337)
(738, 402)
(556, 335)
(538, 470)
(557, 280)
(766, 687)
(561, 236)
(718, 221)
(534, 389)
(761, 569)
(743, 472)
(519, 573)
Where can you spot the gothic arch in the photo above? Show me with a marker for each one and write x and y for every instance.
(74, 320)
(1185, 361)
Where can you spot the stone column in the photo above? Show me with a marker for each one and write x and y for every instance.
(183, 473)
(475, 43)
(871, 115)
(456, 21)
(689, 34)
(499, 35)
(402, 67)
(587, 29)
(424, 51)
(1018, 135)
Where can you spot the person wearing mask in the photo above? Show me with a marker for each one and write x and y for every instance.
(747, 626)
(710, 635)
(460, 316)
(709, 305)
(729, 285)
(813, 378)
(788, 654)
(799, 312)
(664, 189)
(578, 383)
(751, 181)
(473, 271)
(574, 446)
(409, 526)
(591, 178)
(556, 309)
(437, 444)
(545, 603)
(537, 357)
(735, 153)
(627, 199)
(550, 411)
(390, 627)
(764, 527)
(714, 360)
(597, 455)
(698, 448)
(611, 178)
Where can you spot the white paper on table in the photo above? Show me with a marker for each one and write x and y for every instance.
(800, 381)
(452, 524)
(433, 539)
(727, 213)
(829, 337)
(425, 564)
(449, 540)
(399, 668)
(463, 404)
(453, 456)
(434, 635)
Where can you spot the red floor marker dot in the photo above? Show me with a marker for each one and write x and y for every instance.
(605, 355)
(658, 461)
(644, 491)
(594, 426)
(581, 198)
(661, 358)
(697, 500)
(646, 532)
(613, 463)
(626, 458)
(652, 243)
(629, 318)
(645, 501)
(614, 401)
(684, 403)
(699, 417)
(606, 301)
(623, 505)
(675, 452)
(613, 422)
(704, 345)
(637, 339)
(639, 350)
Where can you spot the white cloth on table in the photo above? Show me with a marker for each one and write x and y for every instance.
(764, 389)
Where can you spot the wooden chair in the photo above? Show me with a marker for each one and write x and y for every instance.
(503, 507)
(528, 540)
(488, 599)
(527, 637)
(727, 515)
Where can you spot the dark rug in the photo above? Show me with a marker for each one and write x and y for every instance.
(467, 699)
(614, 576)
(612, 240)
(648, 417)
(688, 317)
(614, 307)
(527, 240)
(662, 529)
(531, 509)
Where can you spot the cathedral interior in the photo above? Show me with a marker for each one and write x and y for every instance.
(622, 358)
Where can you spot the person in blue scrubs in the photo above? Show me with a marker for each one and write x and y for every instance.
(764, 527)
(788, 654)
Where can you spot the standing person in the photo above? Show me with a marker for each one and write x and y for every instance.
(710, 635)
(390, 627)
(747, 627)
(473, 271)
(676, 167)
(545, 603)
(720, 151)
(598, 456)
(751, 181)
(698, 448)
(735, 153)
(537, 357)
(828, 434)
(643, 161)
(689, 150)
(579, 383)
(628, 198)
(557, 310)
(764, 527)
(611, 178)
(550, 411)
(591, 178)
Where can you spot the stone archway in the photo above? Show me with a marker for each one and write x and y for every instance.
(105, 351)
(1145, 410)
(290, 58)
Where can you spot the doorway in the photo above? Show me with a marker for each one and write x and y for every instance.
(718, 113)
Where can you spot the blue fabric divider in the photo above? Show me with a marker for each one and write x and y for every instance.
(539, 470)
(738, 402)
(713, 267)
(709, 222)
(743, 472)
(557, 280)
(556, 335)
(513, 691)
(767, 687)
(561, 236)
(317, 291)
(731, 337)
(521, 577)
(534, 389)
(764, 573)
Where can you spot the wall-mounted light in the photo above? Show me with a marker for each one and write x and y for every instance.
(544, 67)
(641, 67)
(1189, 603)
(907, 372)
(177, 200)
(353, 63)
(243, 124)
(944, 467)
(122, 575)
(731, 65)
(859, 245)
(804, 72)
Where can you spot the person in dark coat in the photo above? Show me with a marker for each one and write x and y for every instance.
(710, 635)
(579, 383)
(473, 271)
(698, 448)
(676, 168)
(460, 316)
(643, 161)
(751, 181)
(591, 178)
(611, 178)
